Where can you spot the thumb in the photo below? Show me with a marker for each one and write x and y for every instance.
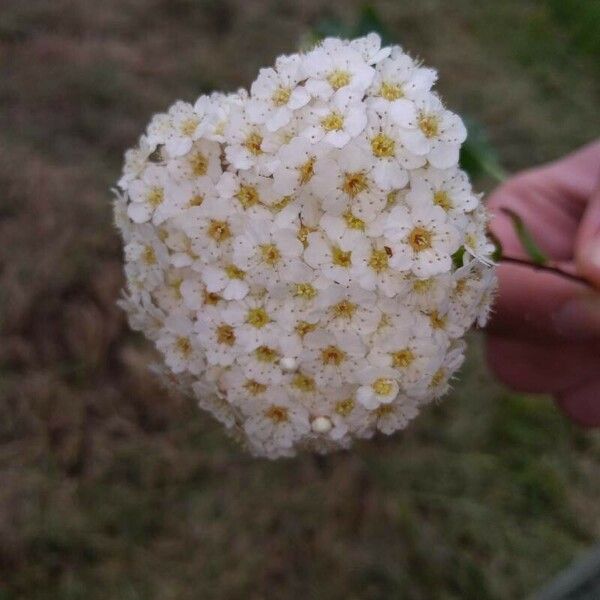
(587, 242)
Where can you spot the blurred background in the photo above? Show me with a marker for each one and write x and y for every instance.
(109, 488)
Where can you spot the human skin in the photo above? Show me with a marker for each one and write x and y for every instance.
(544, 336)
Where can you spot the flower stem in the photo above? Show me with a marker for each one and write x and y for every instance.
(549, 267)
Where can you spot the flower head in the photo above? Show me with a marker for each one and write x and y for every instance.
(292, 251)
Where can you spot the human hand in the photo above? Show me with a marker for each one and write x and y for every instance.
(545, 333)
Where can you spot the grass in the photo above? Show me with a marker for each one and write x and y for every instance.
(111, 489)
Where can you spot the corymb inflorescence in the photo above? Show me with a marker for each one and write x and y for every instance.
(308, 256)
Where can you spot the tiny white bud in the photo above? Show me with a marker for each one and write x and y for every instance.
(288, 364)
(321, 425)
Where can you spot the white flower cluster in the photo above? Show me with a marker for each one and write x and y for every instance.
(308, 256)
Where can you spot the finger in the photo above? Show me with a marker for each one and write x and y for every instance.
(582, 403)
(576, 175)
(551, 200)
(587, 242)
(541, 368)
(538, 305)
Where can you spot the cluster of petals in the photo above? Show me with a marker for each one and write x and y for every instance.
(307, 256)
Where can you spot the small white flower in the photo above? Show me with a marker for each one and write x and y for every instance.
(348, 309)
(345, 183)
(276, 94)
(341, 261)
(332, 69)
(296, 167)
(395, 415)
(333, 357)
(428, 129)
(421, 240)
(337, 122)
(216, 330)
(449, 189)
(399, 77)
(180, 346)
(269, 254)
(378, 386)
(187, 126)
(244, 142)
(274, 428)
(147, 194)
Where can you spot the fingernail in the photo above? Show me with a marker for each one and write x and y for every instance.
(579, 318)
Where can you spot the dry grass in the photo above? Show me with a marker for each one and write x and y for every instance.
(109, 488)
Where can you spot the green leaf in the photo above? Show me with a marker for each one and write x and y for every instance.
(458, 258)
(535, 253)
(370, 22)
(477, 155)
(498, 251)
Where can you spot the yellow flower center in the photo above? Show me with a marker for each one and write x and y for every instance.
(438, 377)
(353, 222)
(270, 254)
(225, 335)
(441, 198)
(344, 407)
(471, 240)
(234, 272)
(257, 317)
(437, 321)
(384, 409)
(219, 231)
(305, 290)
(341, 258)
(184, 346)
(247, 195)
(355, 183)
(338, 79)
(390, 91)
(196, 200)
(332, 355)
(175, 285)
(277, 414)
(344, 309)
(303, 232)
(422, 286)
(383, 387)
(210, 298)
(266, 354)
(419, 239)
(188, 127)
(155, 197)
(429, 125)
(253, 143)
(278, 206)
(391, 198)
(149, 256)
(402, 358)
(383, 146)
(254, 387)
(334, 121)
(379, 260)
(307, 170)
(198, 164)
(281, 95)
(304, 383)
(461, 286)
(304, 327)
